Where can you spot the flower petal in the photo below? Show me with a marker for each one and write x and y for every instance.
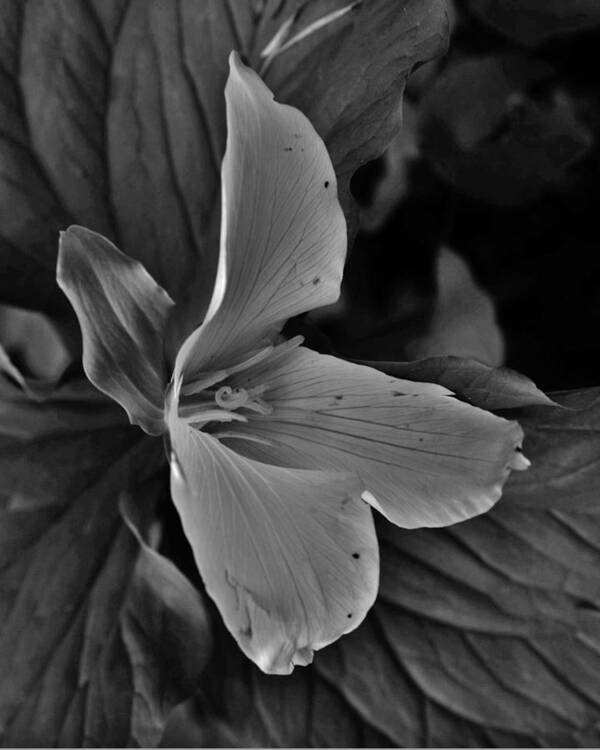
(290, 557)
(283, 233)
(122, 313)
(425, 458)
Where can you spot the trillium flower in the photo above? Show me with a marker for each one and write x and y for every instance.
(279, 454)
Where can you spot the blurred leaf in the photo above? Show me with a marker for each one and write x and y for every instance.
(91, 618)
(484, 634)
(532, 22)
(463, 322)
(393, 183)
(113, 117)
(32, 343)
(493, 140)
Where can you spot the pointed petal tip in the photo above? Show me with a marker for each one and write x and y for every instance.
(70, 241)
(519, 461)
(78, 230)
(242, 75)
(237, 67)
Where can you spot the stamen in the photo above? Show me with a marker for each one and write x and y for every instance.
(231, 398)
(211, 378)
(253, 360)
(195, 416)
(282, 41)
(258, 405)
(275, 353)
(200, 403)
(220, 434)
(286, 347)
(197, 386)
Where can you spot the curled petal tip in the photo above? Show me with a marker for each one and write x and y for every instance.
(234, 58)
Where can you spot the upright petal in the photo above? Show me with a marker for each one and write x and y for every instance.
(283, 233)
(122, 313)
(424, 458)
(290, 557)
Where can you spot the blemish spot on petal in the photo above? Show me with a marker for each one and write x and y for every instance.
(349, 615)
(356, 555)
(326, 183)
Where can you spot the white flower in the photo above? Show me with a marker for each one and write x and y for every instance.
(278, 454)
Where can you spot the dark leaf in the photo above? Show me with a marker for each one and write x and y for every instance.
(491, 388)
(358, 119)
(484, 634)
(166, 131)
(568, 477)
(113, 117)
(92, 619)
(30, 211)
(532, 22)
(492, 139)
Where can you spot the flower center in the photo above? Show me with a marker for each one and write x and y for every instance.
(235, 398)
(210, 398)
(222, 404)
(231, 398)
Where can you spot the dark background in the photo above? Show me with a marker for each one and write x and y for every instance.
(517, 198)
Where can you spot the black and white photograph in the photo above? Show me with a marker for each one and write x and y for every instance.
(300, 373)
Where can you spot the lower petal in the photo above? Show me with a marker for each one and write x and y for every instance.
(290, 557)
(424, 458)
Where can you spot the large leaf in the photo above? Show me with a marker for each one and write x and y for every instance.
(371, 49)
(485, 633)
(569, 476)
(491, 388)
(90, 614)
(113, 117)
